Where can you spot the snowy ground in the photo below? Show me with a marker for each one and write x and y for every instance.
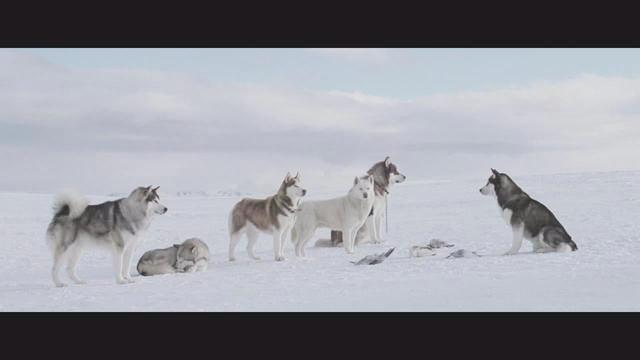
(598, 209)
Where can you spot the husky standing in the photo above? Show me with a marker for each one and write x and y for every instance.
(346, 213)
(385, 174)
(528, 218)
(274, 215)
(117, 225)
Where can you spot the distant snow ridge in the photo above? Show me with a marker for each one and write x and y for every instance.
(231, 193)
(190, 193)
(196, 193)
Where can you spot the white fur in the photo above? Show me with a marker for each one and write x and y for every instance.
(518, 235)
(76, 202)
(488, 189)
(506, 215)
(346, 213)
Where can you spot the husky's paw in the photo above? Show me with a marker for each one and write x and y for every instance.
(509, 253)
(280, 258)
(129, 280)
(121, 281)
(256, 258)
(79, 282)
(60, 285)
(232, 258)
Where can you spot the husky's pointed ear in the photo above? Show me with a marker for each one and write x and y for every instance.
(355, 181)
(297, 175)
(495, 172)
(387, 161)
(156, 189)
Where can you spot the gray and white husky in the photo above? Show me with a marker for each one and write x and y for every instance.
(116, 225)
(190, 256)
(274, 215)
(385, 174)
(528, 218)
(346, 213)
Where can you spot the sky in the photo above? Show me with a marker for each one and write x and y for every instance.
(106, 120)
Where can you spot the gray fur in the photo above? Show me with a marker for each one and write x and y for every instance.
(114, 224)
(192, 255)
(374, 259)
(538, 221)
(462, 253)
(158, 261)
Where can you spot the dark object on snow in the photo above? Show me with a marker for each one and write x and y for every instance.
(336, 237)
(462, 253)
(437, 244)
(374, 259)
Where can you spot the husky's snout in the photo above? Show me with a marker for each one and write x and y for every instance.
(365, 195)
(304, 192)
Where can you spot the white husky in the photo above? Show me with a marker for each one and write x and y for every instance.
(346, 213)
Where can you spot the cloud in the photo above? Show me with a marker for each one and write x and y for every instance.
(367, 55)
(120, 127)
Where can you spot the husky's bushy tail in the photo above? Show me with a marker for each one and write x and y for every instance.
(69, 204)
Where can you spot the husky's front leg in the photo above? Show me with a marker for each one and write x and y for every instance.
(277, 245)
(375, 229)
(118, 255)
(348, 235)
(126, 266)
(518, 234)
(369, 227)
(286, 232)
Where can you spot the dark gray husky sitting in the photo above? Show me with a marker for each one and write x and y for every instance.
(528, 218)
(116, 225)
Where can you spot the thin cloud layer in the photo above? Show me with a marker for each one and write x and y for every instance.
(97, 128)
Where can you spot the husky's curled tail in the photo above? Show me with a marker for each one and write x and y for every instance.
(69, 204)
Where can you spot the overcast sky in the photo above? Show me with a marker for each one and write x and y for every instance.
(106, 120)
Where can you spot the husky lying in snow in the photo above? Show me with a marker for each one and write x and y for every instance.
(346, 213)
(192, 255)
(385, 174)
(117, 225)
(528, 218)
(274, 215)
